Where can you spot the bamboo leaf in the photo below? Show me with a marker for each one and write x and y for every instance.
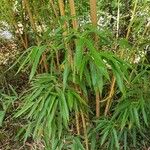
(79, 145)
(125, 140)
(70, 100)
(36, 60)
(24, 109)
(65, 111)
(2, 115)
(124, 119)
(105, 135)
(144, 116)
(79, 52)
(65, 75)
(28, 131)
(136, 117)
(116, 138)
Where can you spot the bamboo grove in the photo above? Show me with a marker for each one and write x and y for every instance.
(86, 91)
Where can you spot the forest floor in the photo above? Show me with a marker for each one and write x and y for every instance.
(9, 128)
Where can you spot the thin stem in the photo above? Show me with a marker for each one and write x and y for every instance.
(30, 15)
(146, 28)
(85, 130)
(20, 35)
(118, 18)
(53, 7)
(131, 21)
(77, 123)
(97, 104)
(24, 26)
(56, 15)
(110, 95)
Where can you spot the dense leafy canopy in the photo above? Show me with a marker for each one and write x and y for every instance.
(88, 72)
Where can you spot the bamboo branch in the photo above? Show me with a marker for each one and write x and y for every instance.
(110, 95)
(97, 104)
